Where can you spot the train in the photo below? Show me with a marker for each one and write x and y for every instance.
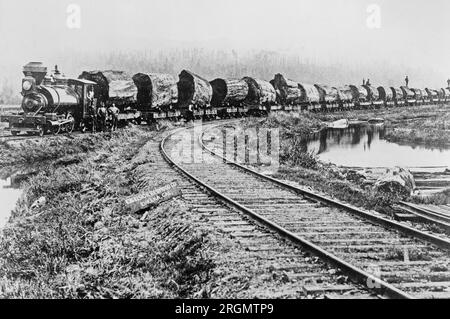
(53, 103)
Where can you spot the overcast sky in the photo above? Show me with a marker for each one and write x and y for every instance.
(411, 31)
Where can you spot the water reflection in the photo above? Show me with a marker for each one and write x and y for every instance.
(9, 194)
(365, 146)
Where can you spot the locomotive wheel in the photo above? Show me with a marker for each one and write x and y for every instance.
(70, 126)
(40, 131)
(55, 129)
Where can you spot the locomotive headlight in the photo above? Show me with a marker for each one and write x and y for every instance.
(26, 85)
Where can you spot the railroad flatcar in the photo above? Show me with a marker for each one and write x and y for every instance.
(433, 95)
(360, 96)
(374, 96)
(228, 97)
(445, 95)
(50, 103)
(288, 92)
(310, 99)
(329, 97)
(115, 87)
(157, 96)
(261, 97)
(399, 98)
(418, 96)
(345, 98)
(386, 95)
(408, 96)
(195, 93)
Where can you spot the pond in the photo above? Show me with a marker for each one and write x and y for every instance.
(9, 194)
(365, 146)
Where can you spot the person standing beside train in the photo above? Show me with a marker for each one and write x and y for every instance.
(114, 113)
(101, 117)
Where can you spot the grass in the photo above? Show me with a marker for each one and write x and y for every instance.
(82, 243)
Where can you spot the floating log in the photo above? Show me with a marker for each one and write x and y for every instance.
(156, 90)
(259, 92)
(228, 91)
(193, 90)
(112, 86)
(288, 90)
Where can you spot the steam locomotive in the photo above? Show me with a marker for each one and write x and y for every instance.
(53, 103)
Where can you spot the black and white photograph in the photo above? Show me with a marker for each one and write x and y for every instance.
(225, 155)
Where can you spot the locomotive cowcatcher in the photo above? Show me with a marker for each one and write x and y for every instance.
(51, 104)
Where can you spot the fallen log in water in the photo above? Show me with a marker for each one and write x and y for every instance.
(259, 92)
(156, 90)
(228, 91)
(193, 90)
(113, 86)
(289, 91)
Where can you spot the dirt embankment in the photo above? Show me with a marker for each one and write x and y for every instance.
(81, 242)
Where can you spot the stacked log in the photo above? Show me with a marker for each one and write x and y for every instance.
(327, 94)
(228, 92)
(193, 90)
(259, 92)
(156, 90)
(345, 94)
(288, 90)
(359, 93)
(310, 94)
(112, 86)
(372, 92)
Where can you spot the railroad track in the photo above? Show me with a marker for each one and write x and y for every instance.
(262, 255)
(429, 214)
(388, 257)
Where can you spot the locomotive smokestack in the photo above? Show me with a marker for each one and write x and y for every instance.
(36, 70)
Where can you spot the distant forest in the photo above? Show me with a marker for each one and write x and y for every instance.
(228, 63)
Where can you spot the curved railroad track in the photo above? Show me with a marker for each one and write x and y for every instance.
(392, 259)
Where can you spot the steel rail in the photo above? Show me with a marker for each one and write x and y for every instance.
(435, 240)
(355, 273)
(427, 215)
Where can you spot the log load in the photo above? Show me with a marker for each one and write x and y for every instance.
(310, 94)
(228, 92)
(345, 94)
(259, 92)
(360, 93)
(385, 93)
(327, 94)
(112, 86)
(156, 90)
(289, 91)
(193, 90)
